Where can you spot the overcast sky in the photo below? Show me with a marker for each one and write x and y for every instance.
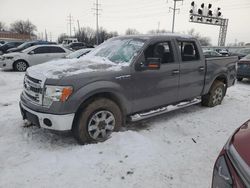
(118, 15)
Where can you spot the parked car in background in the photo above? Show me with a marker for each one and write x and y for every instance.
(67, 41)
(2, 42)
(27, 45)
(8, 45)
(78, 46)
(241, 52)
(223, 52)
(79, 53)
(243, 70)
(34, 55)
(211, 53)
(231, 169)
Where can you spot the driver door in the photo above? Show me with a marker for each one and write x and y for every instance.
(155, 88)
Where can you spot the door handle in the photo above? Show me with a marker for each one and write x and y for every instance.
(201, 69)
(175, 72)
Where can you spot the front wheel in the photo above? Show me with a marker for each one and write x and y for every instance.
(215, 95)
(20, 66)
(97, 121)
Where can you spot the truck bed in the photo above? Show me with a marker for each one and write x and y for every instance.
(218, 65)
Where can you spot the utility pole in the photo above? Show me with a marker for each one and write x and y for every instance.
(78, 24)
(97, 9)
(174, 12)
(50, 36)
(158, 28)
(46, 36)
(70, 19)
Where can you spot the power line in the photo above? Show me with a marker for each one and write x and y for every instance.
(97, 10)
(174, 11)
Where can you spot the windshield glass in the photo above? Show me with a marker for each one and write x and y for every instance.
(22, 46)
(246, 57)
(77, 53)
(119, 50)
(26, 50)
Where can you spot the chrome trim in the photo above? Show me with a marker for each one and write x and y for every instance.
(59, 122)
(27, 84)
(240, 165)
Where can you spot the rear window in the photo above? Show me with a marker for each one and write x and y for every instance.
(188, 50)
(55, 49)
(41, 50)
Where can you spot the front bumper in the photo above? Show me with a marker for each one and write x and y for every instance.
(6, 64)
(46, 120)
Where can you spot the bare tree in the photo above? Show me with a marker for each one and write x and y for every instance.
(62, 37)
(131, 31)
(88, 35)
(205, 41)
(23, 27)
(2, 26)
(104, 35)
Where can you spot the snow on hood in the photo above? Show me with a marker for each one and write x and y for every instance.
(57, 69)
(12, 54)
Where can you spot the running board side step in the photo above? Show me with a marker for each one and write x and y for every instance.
(163, 110)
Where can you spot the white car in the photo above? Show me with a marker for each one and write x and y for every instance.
(34, 55)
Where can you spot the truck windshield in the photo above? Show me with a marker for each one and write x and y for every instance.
(119, 50)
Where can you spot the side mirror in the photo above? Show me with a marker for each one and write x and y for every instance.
(31, 52)
(151, 64)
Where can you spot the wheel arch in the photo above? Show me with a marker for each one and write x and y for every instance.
(13, 65)
(220, 77)
(111, 95)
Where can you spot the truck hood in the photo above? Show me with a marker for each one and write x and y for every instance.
(61, 68)
(241, 142)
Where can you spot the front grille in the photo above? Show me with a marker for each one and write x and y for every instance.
(33, 89)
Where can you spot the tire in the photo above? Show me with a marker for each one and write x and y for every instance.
(97, 121)
(215, 95)
(239, 79)
(20, 66)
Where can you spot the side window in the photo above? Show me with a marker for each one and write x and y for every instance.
(160, 50)
(41, 50)
(189, 51)
(55, 49)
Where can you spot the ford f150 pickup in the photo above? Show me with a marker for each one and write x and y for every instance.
(126, 78)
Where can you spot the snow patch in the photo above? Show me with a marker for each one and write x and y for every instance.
(57, 69)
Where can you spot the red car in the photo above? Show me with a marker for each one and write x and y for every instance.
(232, 167)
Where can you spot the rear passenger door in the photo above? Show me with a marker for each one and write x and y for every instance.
(192, 70)
(56, 52)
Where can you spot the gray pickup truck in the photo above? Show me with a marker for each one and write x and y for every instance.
(124, 79)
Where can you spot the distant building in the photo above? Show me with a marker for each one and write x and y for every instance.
(9, 36)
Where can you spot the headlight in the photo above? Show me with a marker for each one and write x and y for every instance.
(221, 174)
(56, 93)
(8, 57)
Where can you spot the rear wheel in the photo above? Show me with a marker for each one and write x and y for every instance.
(215, 95)
(239, 79)
(20, 66)
(97, 121)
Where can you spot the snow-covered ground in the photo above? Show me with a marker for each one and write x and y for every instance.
(175, 150)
